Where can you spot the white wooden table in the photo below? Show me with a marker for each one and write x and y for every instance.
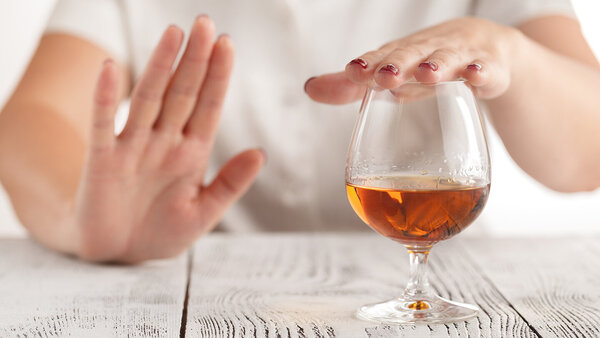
(300, 285)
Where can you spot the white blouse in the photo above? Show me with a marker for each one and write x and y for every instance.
(280, 44)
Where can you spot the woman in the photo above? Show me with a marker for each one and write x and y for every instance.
(81, 190)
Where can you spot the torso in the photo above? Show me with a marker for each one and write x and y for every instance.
(280, 44)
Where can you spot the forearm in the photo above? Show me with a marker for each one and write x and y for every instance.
(41, 156)
(549, 118)
(44, 131)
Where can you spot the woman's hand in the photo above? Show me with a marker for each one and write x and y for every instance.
(141, 194)
(549, 127)
(477, 50)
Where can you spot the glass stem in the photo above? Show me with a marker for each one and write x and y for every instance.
(418, 283)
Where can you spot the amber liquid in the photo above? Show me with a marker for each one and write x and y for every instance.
(417, 210)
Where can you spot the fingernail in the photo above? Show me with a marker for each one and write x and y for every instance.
(221, 39)
(307, 81)
(264, 153)
(430, 65)
(107, 61)
(389, 68)
(175, 27)
(474, 66)
(201, 16)
(359, 62)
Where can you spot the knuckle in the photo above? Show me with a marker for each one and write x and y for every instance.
(408, 53)
(136, 134)
(185, 90)
(100, 149)
(148, 95)
(202, 140)
(401, 51)
(104, 100)
(165, 130)
(102, 123)
(211, 104)
(226, 190)
(160, 66)
(218, 76)
(197, 59)
(420, 49)
(228, 187)
(446, 54)
(374, 54)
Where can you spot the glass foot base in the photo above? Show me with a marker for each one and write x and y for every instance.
(428, 310)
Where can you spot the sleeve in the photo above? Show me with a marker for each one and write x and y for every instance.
(515, 12)
(102, 22)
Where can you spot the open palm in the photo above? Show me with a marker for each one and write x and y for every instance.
(142, 194)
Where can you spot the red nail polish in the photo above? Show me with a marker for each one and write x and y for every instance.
(474, 66)
(430, 65)
(389, 68)
(360, 62)
(307, 81)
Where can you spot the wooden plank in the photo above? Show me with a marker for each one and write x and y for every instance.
(310, 285)
(553, 283)
(45, 294)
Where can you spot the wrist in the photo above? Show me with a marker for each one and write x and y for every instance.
(57, 230)
(517, 52)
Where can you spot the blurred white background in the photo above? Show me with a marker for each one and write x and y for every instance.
(508, 212)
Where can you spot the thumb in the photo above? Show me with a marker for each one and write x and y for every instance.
(231, 183)
(334, 88)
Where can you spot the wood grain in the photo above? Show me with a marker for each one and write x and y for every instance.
(299, 285)
(553, 283)
(44, 294)
(310, 286)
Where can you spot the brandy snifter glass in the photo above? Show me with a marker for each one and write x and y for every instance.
(418, 172)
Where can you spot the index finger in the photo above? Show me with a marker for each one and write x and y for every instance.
(334, 88)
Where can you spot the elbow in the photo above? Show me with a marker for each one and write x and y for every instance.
(572, 187)
(579, 176)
